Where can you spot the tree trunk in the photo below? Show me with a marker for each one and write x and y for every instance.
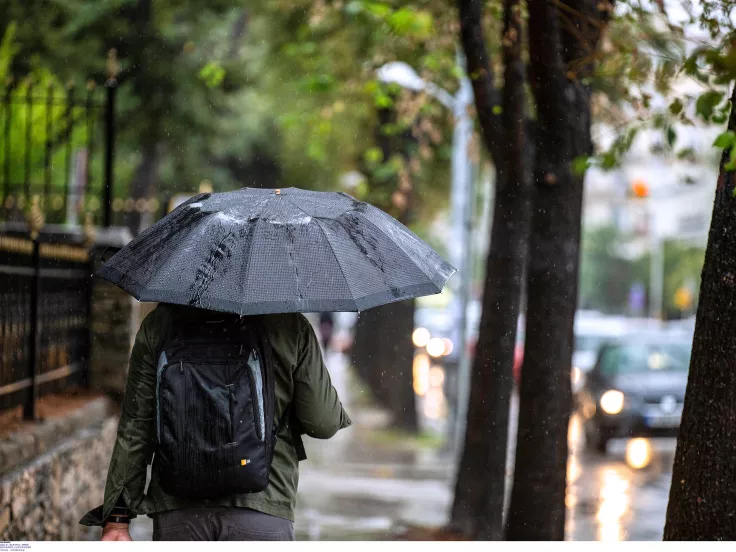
(537, 508)
(477, 509)
(703, 495)
(383, 354)
(398, 368)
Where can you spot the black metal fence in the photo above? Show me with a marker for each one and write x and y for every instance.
(58, 144)
(56, 167)
(45, 290)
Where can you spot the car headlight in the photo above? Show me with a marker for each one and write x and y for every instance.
(612, 402)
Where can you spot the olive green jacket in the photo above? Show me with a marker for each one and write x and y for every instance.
(301, 379)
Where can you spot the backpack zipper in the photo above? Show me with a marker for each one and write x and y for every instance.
(181, 366)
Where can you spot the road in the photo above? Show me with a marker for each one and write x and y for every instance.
(608, 500)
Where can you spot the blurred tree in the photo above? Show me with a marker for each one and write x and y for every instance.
(477, 509)
(323, 57)
(606, 276)
(35, 138)
(178, 80)
(683, 264)
(563, 41)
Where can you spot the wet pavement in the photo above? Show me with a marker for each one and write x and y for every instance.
(362, 486)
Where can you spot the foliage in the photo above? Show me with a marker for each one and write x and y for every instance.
(176, 83)
(607, 275)
(323, 57)
(280, 93)
(38, 131)
(659, 71)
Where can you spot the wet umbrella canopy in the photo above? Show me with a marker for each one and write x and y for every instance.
(257, 251)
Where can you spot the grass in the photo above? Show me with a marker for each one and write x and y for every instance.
(423, 440)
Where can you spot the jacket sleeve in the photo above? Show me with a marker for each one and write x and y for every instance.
(316, 404)
(134, 444)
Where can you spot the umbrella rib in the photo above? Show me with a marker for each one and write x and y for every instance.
(332, 249)
(397, 244)
(421, 271)
(337, 259)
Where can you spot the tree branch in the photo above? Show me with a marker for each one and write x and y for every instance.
(481, 75)
(513, 98)
(548, 83)
(585, 21)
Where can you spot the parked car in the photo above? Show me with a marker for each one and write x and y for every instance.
(636, 389)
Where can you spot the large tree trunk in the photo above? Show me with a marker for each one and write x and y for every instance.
(537, 509)
(382, 354)
(397, 371)
(703, 495)
(477, 509)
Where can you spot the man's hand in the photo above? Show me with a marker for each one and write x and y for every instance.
(115, 532)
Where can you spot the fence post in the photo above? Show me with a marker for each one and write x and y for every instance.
(89, 243)
(35, 219)
(111, 87)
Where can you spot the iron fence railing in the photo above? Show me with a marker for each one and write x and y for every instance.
(45, 291)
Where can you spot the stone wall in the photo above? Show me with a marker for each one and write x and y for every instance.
(53, 471)
(45, 498)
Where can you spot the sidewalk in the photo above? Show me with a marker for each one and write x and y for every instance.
(362, 485)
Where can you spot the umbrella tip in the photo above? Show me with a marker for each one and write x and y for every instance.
(278, 192)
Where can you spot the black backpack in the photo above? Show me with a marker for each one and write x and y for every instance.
(215, 427)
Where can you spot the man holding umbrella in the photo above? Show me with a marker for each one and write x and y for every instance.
(225, 374)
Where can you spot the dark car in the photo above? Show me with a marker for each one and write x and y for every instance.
(635, 389)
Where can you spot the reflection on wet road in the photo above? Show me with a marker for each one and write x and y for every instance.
(608, 499)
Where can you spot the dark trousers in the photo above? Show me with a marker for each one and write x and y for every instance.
(220, 524)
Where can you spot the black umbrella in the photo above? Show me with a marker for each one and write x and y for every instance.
(257, 251)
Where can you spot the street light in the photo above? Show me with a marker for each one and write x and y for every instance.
(402, 74)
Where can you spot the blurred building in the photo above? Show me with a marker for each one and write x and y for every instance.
(654, 195)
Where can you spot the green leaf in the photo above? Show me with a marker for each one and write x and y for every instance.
(385, 172)
(318, 83)
(676, 106)
(382, 100)
(379, 9)
(581, 164)
(671, 136)
(725, 140)
(609, 160)
(212, 74)
(497, 109)
(706, 104)
(731, 164)
(373, 155)
(410, 22)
